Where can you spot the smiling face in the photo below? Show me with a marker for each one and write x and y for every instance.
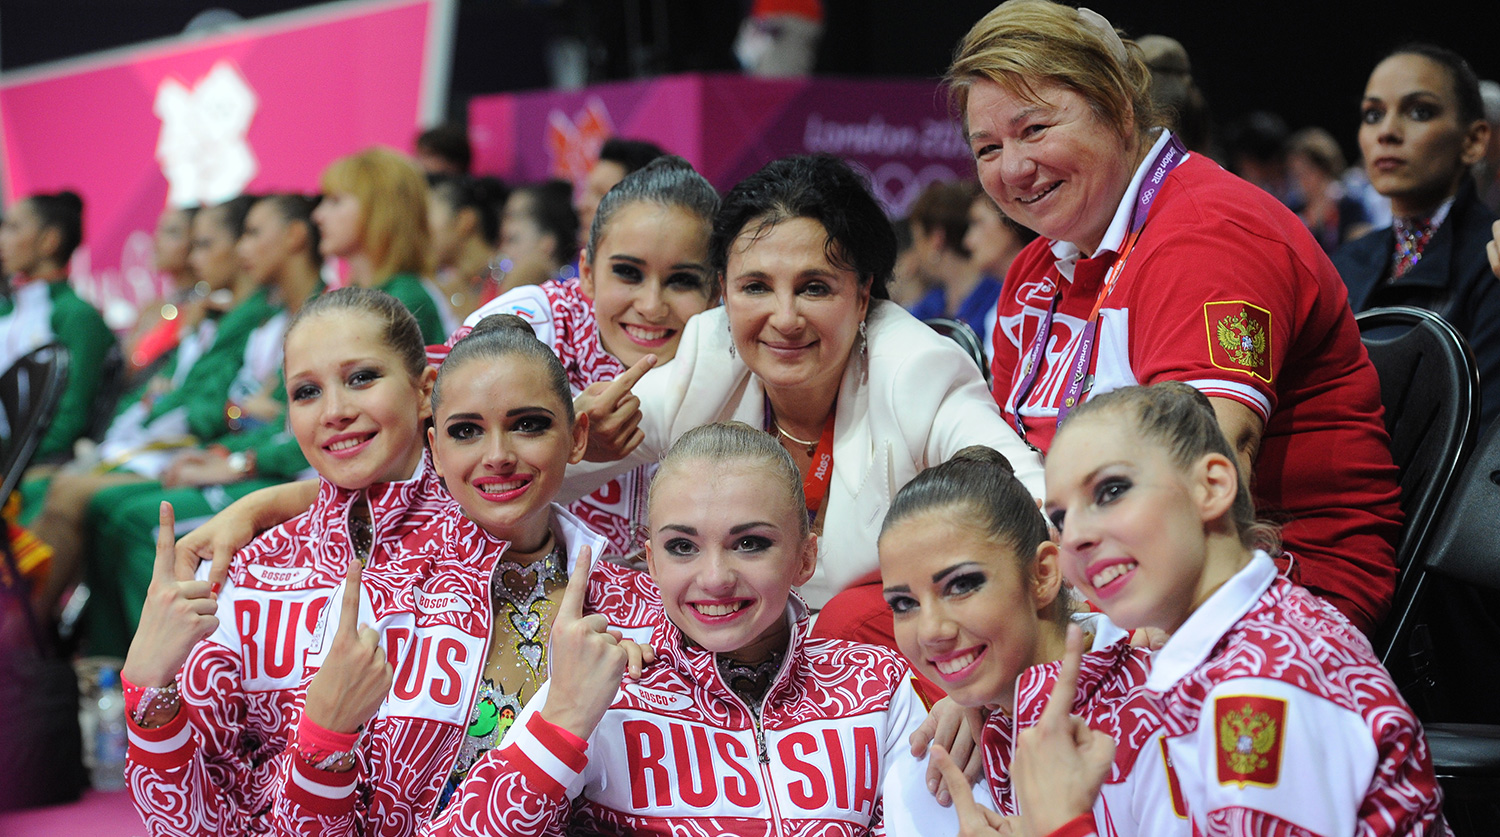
(213, 254)
(968, 615)
(1415, 147)
(793, 314)
(1132, 523)
(1052, 164)
(340, 220)
(355, 410)
(267, 243)
(650, 274)
(726, 550)
(501, 442)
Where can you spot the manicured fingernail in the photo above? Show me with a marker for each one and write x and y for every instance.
(932, 786)
(216, 587)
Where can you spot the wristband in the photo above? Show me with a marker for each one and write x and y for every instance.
(323, 748)
(142, 702)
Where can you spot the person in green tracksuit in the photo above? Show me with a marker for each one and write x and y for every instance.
(234, 386)
(374, 217)
(37, 237)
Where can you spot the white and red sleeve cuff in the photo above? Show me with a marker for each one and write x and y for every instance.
(168, 746)
(1239, 391)
(322, 792)
(549, 756)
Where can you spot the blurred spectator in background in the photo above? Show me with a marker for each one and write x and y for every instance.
(993, 241)
(957, 289)
(445, 149)
(157, 325)
(780, 37)
(538, 235)
(1314, 163)
(617, 158)
(1421, 130)
(463, 214)
(1487, 172)
(1256, 149)
(905, 287)
(1175, 93)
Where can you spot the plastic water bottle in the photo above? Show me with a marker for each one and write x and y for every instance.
(108, 772)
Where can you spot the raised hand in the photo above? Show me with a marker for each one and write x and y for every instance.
(234, 527)
(588, 660)
(974, 820)
(178, 612)
(355, 678)
(956, 729)
(614, 414)
(1060, 763)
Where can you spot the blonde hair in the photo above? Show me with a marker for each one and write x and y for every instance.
(1022, 42)
(737, 442)
(392, 196)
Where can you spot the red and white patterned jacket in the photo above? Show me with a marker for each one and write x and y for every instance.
(563, 318)
(1139, 794)
(679, 752)
(225, 765)
(1278, 720)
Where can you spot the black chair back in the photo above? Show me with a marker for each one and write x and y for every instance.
(1429, 386)
(29, 393)
(112, 380)
(959, 332)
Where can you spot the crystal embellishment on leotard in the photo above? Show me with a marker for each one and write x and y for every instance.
(750, 681)
(526, 624)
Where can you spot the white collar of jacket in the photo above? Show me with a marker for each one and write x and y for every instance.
(699, 666)
(390, 502)
(1192, 643)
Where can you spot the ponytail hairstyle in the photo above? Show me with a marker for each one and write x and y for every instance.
(980, 486)
(400, 331)
(62, 211)
(667, 181)
(1181, 420)
(501, 338)
(738, 443)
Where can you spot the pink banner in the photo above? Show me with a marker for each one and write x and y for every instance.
(199, 120)
(728, 126)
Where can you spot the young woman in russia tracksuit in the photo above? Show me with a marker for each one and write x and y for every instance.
(316, 707)
(743, 722)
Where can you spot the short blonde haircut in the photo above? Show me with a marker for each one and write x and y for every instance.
(1023, 42)
(392, 196)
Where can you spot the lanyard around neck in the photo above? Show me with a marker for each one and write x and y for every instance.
(1170, 156)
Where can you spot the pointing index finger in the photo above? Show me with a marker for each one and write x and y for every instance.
(1065, 690)
(165, 566)
(571, 606)
(620, 386)
(349, 615)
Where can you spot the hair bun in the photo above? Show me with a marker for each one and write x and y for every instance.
(70, 199)
(502, 322)
(985, 455)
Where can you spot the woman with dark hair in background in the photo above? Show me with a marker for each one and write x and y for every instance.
(464, 216)
(158, 327)
(37, 238)
(1421, 129)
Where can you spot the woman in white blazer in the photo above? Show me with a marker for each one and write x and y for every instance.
(808, 347)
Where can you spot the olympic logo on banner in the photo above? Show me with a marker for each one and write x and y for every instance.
(203, 150)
